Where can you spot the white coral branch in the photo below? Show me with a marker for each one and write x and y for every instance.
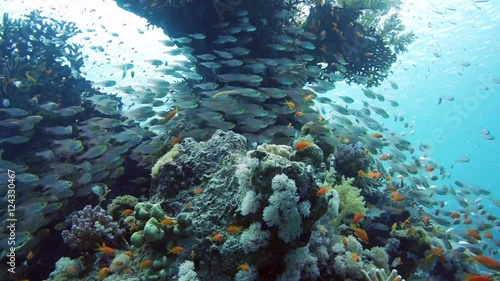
(380, 275)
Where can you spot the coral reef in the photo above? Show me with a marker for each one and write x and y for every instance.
(349, 159)
(91, 227)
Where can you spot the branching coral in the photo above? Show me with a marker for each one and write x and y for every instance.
(91, 226)
(381, 275)
(349, 159)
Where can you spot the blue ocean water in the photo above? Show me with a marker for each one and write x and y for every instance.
(448, 83)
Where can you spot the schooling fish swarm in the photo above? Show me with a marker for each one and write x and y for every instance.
(65, 141)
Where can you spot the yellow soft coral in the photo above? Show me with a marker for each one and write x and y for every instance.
(351, 201)
(167, 158)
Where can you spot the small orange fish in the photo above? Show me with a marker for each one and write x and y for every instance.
(290, 104)
(129, 253)
(361, 234)
(385, 156)
(299, 114)
(411, 230)
(217, 237)
(301, 145)
(168, 221)
(198, 191)
(133, 227)
(396, 196)
(374, 175)
(308, 97)
(355, 256)
(455, 215)
(146, 263)
(234, 229)
(322, 191)
(176, 250)
(72, 271)
(30, 255)
(429, 168)
(358, 217)
(118, 263)
(103, 272)
(344, 241)
(377, 135)
(474, 234)
(476, 277)
(127, 212)
(426, 219)
(169, 116)
(488, 235)
(361, 173)
(487, 262)
(105, 249)
(243, 267)
(175, 141)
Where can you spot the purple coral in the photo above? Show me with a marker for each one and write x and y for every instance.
(91, 226)
(349, 159)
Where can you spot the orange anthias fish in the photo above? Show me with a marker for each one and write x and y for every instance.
(198, 191)
(377, 135)
(105, 249)
(361, 234)
(290, 104)
(474, 234)
(475, 277)
(357, 218)
(487, 262)
(175, 140)
(301, 145)
(126, 212)
(308, 97)
(168, 221)
(385, 156)
(169, 116)
(217, 237)
(322, 191)
(176, 250)
(234, 229)
(103, 273)
(146, 263)
(243, 267)
(396, 196)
